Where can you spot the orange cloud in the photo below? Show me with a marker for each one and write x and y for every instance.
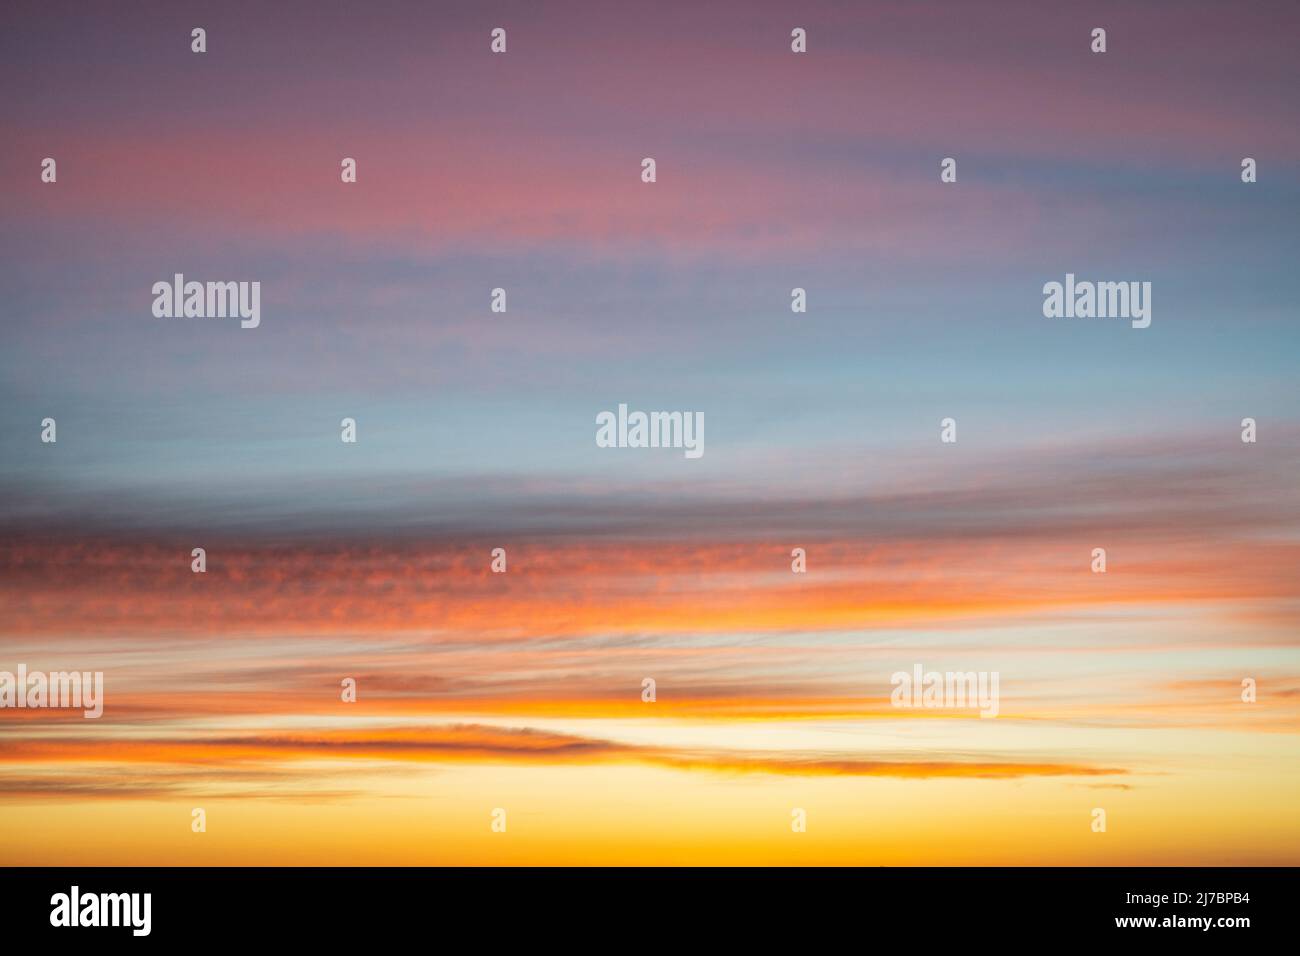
(215, 756)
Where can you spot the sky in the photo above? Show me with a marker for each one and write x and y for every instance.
(522, 691)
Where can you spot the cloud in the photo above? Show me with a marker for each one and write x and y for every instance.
(150, 767)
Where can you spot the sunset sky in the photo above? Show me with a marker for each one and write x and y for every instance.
(523, 690)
